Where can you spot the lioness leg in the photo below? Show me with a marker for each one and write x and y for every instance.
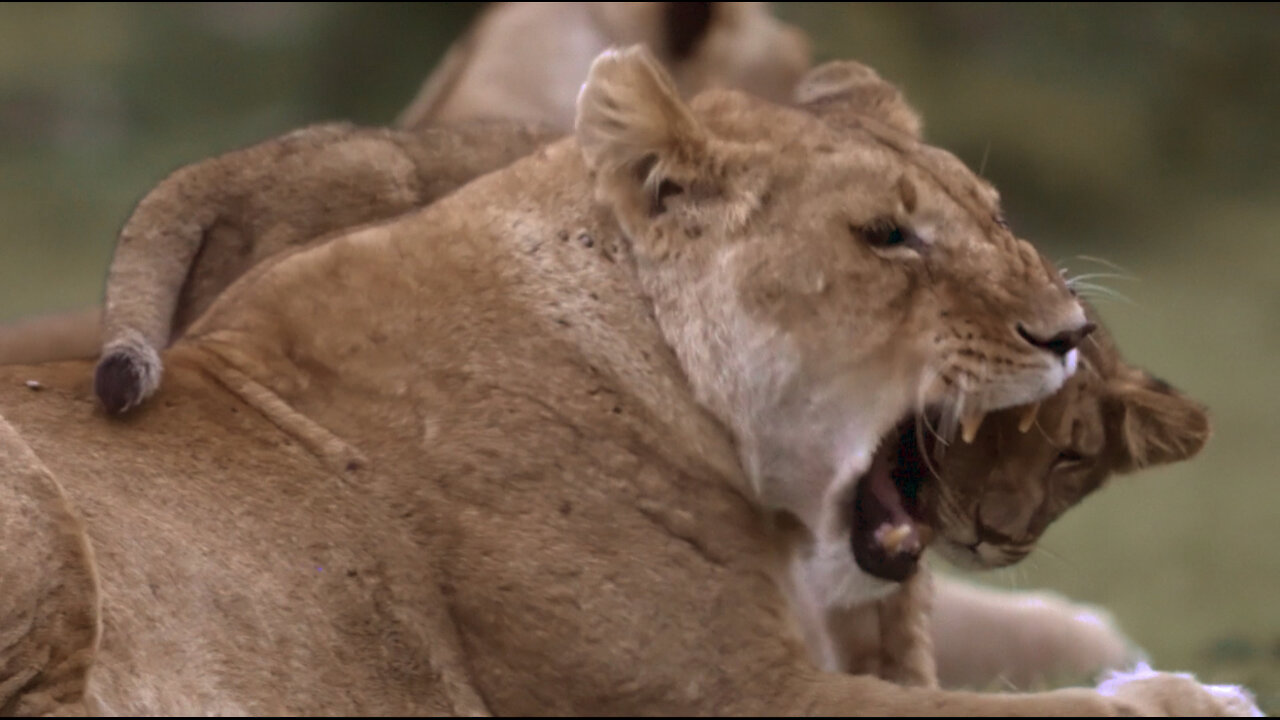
(983, 636)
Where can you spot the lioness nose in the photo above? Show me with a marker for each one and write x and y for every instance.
(1060, 344)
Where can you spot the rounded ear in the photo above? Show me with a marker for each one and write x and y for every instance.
(634, 130)
(1153, 422)
(846, 91)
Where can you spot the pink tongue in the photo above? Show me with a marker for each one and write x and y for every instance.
(884, 491)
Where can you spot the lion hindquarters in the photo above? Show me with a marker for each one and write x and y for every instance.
(49, 621)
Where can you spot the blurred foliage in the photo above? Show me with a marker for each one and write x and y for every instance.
(1140, 134)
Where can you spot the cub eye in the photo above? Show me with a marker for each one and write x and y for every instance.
(884, 234)
(1067, 457)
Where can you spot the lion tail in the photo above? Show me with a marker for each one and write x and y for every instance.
(155, 252)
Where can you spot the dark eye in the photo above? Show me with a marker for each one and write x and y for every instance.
(1067, 457)
(1001, 221)
(884, 234)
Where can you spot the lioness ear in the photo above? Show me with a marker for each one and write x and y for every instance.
(634, 130)
(850, 91)
(1154, 423)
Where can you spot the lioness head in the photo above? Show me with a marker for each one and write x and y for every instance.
(1026, 466)
(822, 276)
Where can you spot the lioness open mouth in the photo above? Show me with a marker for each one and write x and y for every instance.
(890, 525)
(889, 532)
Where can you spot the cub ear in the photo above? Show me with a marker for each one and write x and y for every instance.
(635, 131)
(846, 91)
(1154, 423)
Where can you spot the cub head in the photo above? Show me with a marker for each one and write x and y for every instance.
(822, 276)
(1027, 466)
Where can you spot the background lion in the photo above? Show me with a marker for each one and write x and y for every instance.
(487, 481)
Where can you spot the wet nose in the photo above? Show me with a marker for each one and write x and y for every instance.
(1060, 344)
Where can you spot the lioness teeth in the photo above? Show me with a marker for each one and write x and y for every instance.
(1028, 417)
(969, 424)
(893, 537)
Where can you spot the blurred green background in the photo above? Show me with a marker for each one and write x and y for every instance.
(1141, 135)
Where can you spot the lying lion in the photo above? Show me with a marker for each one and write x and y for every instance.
(268, 197)
(516, 457)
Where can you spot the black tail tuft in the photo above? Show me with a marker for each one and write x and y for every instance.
(118, 382)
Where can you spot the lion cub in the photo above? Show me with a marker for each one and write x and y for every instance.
(991, 499)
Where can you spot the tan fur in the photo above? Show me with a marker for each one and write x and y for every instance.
(67, 335)
(562, 506)
(528, 60)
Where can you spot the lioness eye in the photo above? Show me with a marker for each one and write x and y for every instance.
(883, 234)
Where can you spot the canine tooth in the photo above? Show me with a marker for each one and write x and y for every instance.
(969, 426)
(1028, 417)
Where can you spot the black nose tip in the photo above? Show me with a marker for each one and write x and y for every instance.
(1062, 343)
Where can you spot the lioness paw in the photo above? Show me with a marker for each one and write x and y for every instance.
(1179, 694)
(128, 373)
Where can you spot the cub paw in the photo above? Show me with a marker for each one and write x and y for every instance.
(1148, 692)
(128, 373)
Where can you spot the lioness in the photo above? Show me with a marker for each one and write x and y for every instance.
(520, 465)
(268, 197)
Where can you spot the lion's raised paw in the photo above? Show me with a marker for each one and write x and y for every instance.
(1179, 694)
